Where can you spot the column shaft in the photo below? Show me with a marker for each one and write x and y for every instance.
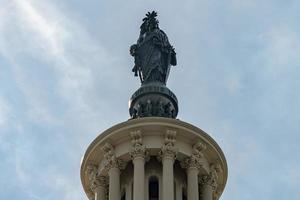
(178, 191)
(114, 184)
(100, 193)
(168, 178)
(192, 186)
(129, 192)
(138, 178)
(206, 192)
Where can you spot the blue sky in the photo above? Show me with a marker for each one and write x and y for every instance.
(65, 76)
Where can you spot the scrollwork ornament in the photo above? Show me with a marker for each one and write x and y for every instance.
(95, 180)
(197, 159)
(110, 159)
(168, 149)
(212, 178)
(91, 171)
(209, 180)
(138, 149)
(100, 181)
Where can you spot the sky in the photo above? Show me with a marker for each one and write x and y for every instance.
(65, 76)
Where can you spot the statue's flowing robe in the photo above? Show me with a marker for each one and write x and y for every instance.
(154, 52)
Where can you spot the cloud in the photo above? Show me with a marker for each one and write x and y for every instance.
(65, 184)
(54, 63)
(282, 47)
(70, 86)
(4, 112)
(40, 31)
(49, 32)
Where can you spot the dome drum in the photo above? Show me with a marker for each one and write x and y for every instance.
(145, 149)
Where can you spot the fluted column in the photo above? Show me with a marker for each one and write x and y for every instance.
(112, 165)
(97, 183)
(192, 183)
(178, 191)
(208, 184)
(138, 178)
(129, 192)
(168, 178)
(100, 188)
(206, 192)
(167, 154)
(192, 165)
(114, 184)
(138, 154)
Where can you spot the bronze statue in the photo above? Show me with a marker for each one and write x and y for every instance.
(153, 57)
(153, 54)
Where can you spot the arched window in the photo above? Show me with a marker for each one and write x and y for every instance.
(153, 188)
(123, 195)
(184, 194)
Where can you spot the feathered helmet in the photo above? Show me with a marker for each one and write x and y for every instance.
(150, 22)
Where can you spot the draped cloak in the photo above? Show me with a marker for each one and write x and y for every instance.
(154, 54)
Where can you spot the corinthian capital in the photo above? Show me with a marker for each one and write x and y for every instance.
(138, 150)
(110, 159)
(91, 172)
(208, 180)
(212, 178)
(168, 149)
(100, 181)
(95, 180)
(197, 159)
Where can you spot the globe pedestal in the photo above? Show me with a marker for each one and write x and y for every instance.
(153, 99)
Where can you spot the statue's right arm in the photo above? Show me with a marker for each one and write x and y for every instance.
(133, 49)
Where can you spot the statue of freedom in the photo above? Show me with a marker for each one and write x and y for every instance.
(153, 54)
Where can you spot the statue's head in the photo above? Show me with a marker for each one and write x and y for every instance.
(150, 22)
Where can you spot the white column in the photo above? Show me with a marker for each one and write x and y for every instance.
(113, 165)
(192, 183)
(208, 184)
(99, 187)
(97, 183)
(168, 153)
(206, 192)
(114, 184)
(138, 154)
(139, 178)
(100, 193)
(128, 192)
(192, 165)
(168, 178)
(178, 191)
